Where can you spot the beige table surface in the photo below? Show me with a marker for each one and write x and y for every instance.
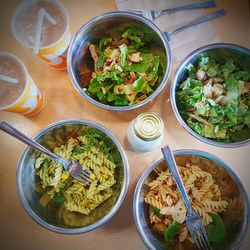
(17, 229)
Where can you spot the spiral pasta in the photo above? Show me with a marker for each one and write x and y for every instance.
(76, 196)
(167, 206)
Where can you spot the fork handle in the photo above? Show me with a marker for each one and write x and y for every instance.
(21, 137)
(196, 21)
(169, 157)
(192, 6)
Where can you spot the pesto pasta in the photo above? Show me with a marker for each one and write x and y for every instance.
(72, 197)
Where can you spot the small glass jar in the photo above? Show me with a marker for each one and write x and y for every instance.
(145, 132)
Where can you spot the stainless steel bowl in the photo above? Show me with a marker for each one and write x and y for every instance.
(94, 30)
(218, 51)
(49, 137)
(224, 172)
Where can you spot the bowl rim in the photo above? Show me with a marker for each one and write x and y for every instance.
(149, 169)
(106, 217)
(174, 83)
(121, 14)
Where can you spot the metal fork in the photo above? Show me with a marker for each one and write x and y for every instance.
(194, 223)
(75, 168)
(153, 14)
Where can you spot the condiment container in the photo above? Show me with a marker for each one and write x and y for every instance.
(145, 132)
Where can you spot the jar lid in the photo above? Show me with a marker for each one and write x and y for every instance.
(148, 126)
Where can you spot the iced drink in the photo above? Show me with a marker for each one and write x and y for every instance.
(22, 95)
(54, 38)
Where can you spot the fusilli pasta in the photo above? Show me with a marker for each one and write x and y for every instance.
(167, 206)
(77, 197)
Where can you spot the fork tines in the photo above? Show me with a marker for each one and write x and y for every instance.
(199, 234)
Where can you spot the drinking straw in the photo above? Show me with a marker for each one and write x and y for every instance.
(8, 79)
(41, 15)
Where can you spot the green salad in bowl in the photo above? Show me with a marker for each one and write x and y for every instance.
(126, 70)
(213, 99)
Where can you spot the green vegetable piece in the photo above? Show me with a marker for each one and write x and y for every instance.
(103, 42)
(216, 230)
(94, 86)
(155, 210)
(135, 36)
(138, 84)
(171, 231)
(191, 70)
(247, 119)
(100, 61)
(101, 96)
(121, 101)
(229, 66)
(58, 199)
(124, 53)
(77, 150)
(46, 163)
(111, 97)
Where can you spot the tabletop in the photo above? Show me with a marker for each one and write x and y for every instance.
(18, 230)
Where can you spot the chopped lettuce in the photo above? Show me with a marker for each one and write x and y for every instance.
(138, 84)
(100, 61)
(124, 53)
(125, 71)
(217, 105)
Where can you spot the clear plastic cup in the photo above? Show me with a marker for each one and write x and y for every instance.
(55, 38)
(22, 97)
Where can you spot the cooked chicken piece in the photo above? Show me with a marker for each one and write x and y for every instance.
(135, 57)
(217, 90)
(207, 91)
(209, 81)
(93, 52)
(214, 91)
(200, 74)
(221, 100)
(178, 211)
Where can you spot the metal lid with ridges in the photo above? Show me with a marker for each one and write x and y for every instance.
(148, 126)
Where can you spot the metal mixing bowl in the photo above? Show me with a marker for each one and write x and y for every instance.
(219, 52)
(227, 180)
(94, 30)
(52, 136)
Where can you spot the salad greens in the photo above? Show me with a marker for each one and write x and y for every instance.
(126, 72)
(214, 100)
(171, 231)
(216, 230)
